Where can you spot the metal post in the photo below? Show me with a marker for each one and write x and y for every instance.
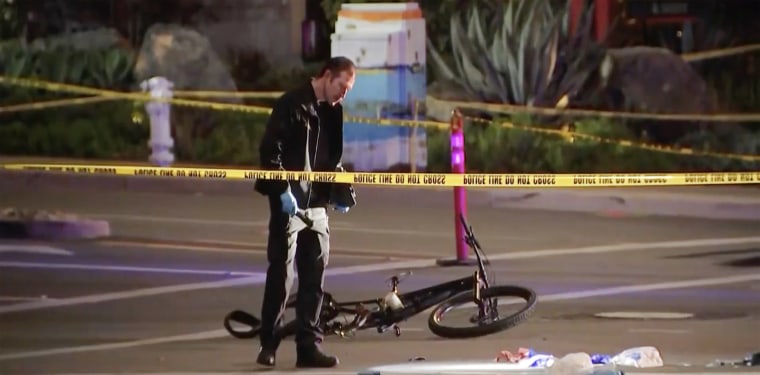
(413, 138)
(460, 194)
(576, 10)
(161, 142)
(602, 18)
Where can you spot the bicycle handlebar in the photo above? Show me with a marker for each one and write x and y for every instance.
(469, 236)
(302, 215)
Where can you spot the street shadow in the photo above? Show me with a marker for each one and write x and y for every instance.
(751, 257)
(744, 262)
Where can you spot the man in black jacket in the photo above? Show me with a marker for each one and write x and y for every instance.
(303, 133)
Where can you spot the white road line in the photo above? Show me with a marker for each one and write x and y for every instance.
(342, 227)
(233, 373)
(33, 249)
(375, 253)
(97, 267)
(410, 370)
(118, 345)
(406, 264)
(17, 299)
(419, 233)
(248, 280)
(660, 330)
(95, 298)
(707, 242)
(212, 246)
(650, 287)
(178, 220)
(542, 299)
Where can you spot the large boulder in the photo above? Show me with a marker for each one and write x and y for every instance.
(657, 80)
(187, 59)
(632, 79)
(183, 56)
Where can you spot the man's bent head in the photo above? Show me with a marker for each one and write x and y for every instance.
(335, 80)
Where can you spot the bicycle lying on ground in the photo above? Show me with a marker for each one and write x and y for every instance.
(394, 308)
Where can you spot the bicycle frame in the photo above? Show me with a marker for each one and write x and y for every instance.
(377, 313)
(414, 302)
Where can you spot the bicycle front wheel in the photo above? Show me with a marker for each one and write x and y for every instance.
(523, 301)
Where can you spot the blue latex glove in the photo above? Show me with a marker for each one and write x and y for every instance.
(289, 203)
(341, 209)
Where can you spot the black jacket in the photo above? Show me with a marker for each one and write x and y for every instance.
(295, 115)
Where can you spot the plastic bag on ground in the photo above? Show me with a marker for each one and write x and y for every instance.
(638, 357)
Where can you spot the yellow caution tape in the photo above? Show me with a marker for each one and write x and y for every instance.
(720, 52)
(497, 108)
(511, 109)
(54, 103)
(74, 89)
(398, 122)
(501, 180)
(689, 57)
(228, 94)
(113, 95)
(571, 136)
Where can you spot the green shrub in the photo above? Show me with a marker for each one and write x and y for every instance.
(108, 131)
(120, 130)
(234, 141)
(111, 130)
(490, 148)
(102, 130)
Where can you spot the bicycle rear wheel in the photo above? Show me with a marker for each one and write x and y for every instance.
(241, 317)
(492, 322)
(289, 326)
(252, 324)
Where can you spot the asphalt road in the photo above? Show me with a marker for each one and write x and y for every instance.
(152, 298)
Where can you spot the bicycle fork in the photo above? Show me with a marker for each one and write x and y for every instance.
(484, 309)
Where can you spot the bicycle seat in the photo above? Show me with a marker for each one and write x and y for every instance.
(398, 277)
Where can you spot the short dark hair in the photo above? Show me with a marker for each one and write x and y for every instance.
(337, 65)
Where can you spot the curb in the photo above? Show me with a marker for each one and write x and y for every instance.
(24, 227)
(725, 202)
(634, 203)
(46, 181)
(40, 181)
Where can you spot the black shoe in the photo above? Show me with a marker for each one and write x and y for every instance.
(266, 357)
(316, 359)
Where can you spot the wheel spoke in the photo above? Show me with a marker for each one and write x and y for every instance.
(460, 316)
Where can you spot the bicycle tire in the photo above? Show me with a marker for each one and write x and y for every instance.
(242, 317)
(254, 323)
(288, 328)
(504, 323)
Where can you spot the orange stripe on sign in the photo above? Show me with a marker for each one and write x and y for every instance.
(381, 16)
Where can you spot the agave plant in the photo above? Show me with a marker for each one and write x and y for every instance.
(523, 54)
(507, 55)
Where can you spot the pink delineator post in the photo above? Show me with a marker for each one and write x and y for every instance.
(460, 196)
(456, 140)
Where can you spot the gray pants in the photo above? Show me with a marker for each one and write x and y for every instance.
(290, 240)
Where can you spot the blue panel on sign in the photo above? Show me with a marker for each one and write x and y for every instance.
(393, 88)
(373, 147)
(389, 93)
